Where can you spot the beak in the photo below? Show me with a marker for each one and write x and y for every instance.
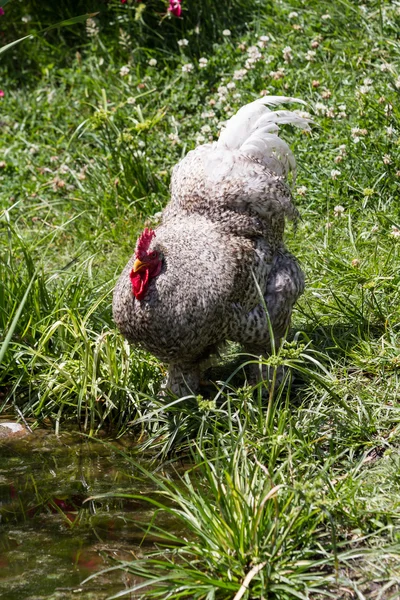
(138, 265)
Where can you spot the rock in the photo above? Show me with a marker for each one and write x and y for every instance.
(9, 430)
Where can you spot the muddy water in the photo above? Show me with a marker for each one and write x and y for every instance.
(50, 538)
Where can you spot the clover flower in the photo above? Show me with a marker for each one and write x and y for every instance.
(395, 232)
(338, 211)
(263, 41)
(239, 74)
(287, 54)
(187, 68)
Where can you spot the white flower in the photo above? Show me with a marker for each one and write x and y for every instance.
(152, 62)
(203, 62)
(226, 32)
(92, 28)
(387, 159)
(320, 108)
(338, 159)
(330, 113)
(301, 190)
(356, 131)
(131, 100)
(287, 54)
(335, 174)
(231, 85)
(342, 149)
(263, 41)
(385, 67)
(293, 15)
(388, 109)
(326, 17)
(187, 68)
(397, 83)
(390, 131)
(200, 139)
(395, 232)
(183, 42)
(254, 55)
(174, 138)
(310, 55)
(254, 52)
(279, 74)
(124, 71)
(206, 129)
(367, 81)
(239, 74)
(338, 211)
(222, 90)
(27, 18)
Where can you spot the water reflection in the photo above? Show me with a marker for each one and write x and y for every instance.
(50, 538)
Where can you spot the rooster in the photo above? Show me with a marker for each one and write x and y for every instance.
(195, 281)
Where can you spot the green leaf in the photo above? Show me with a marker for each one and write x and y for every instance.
(65, 23)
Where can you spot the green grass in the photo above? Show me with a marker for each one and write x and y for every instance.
(85, 158)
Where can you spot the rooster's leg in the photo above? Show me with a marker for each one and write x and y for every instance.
(183, 379)
(284, 285)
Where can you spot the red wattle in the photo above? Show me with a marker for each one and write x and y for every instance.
(140, 283)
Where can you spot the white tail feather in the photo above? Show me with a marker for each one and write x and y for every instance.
(253, 131)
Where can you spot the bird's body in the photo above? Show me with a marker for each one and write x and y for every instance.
(195, 282)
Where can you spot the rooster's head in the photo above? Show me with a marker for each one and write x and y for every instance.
(146, 266)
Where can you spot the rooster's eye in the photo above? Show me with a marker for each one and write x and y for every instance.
(153, 254)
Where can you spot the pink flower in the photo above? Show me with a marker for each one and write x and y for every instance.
(1, 94)
(1, 11)
(123, 1)
(175, 7)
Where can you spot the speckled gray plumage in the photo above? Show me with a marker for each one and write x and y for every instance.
(222, 229)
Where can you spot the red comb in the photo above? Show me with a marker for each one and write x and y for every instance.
(144, 242)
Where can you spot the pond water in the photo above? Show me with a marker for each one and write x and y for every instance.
(50, 538)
